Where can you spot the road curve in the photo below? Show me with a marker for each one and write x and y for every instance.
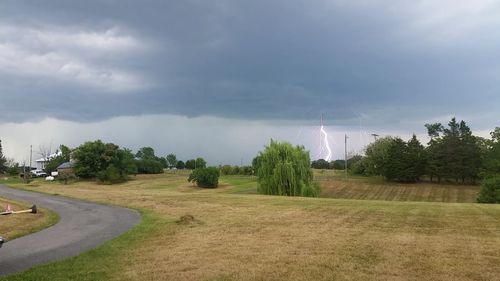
(82, 226)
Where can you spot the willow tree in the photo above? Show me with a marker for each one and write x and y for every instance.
(285, 170)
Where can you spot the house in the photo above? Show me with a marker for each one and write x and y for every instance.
(65, 168)
(42, 162)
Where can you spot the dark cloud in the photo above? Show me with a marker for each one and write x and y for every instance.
(249, 59)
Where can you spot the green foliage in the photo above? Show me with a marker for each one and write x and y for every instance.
(190, 164)
(111, 175)
(66, 178)
(146, 153)
(200, 163)
(180, 165)
(205, 177)
(359, 167)
(236, 170)
(490, 191)
(171, 160)
(194, 164)
(3, 160)
(320, 164)
(492, 154)
(92, 159)
(13, 170)
(163, 162)
(58, 160)
(149, 166)
(285, 170)
(405, 161)
(256, 163)
(377, 156)
(338, 164)
(453, 152)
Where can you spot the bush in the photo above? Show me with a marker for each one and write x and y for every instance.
(205, 177)
(490, 191)
(149, 166)
(111, 175)
(13, 170)
(66, 178)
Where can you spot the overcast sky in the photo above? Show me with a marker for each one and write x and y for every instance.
(220, 78)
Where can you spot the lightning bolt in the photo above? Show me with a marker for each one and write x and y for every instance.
(325, 139)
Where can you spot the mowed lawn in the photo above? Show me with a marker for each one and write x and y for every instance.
(13, 226)
(237, 236)
(334, 184)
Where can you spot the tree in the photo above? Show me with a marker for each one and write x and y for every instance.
(190, 164)
(490, 191)
(59, 159)
(205, 177)
(286, 170)
(338, 164)
(492, 154)
(171, 160)
(320, 164)
(146, 153)
(377, 154)
(163, 162)
(3, 160)
(200, 163)
(149, 166)
(180, 165)
(405, 161)
(453, 152)
(94, 158)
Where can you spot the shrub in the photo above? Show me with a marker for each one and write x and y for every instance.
(147, 166)
(13, 170)
(490, 191)
(111, 175)
(66, 178)
(205, 177)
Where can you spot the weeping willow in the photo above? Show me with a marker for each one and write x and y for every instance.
(285, 170)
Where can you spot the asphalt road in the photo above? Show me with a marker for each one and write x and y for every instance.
(83, 226)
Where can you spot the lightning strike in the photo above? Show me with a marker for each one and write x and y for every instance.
(325, 140)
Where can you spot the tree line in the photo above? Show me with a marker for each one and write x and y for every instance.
(452, 154)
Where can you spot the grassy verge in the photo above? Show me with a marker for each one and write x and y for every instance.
(14, 226)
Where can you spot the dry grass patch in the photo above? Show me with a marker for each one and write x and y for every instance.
(253, 237)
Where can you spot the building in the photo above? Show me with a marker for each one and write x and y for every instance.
(65, 168)
(42, 162)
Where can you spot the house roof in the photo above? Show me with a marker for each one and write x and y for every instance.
(65, 165)
(53, 155)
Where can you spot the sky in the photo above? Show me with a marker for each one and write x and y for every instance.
(219, 79)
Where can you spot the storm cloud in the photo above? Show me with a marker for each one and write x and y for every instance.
(288, 60)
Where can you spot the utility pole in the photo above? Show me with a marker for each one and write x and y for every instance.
(345, 155)
(31, 155)
(375, 136)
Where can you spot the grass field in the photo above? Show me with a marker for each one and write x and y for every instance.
(238, 236)
(14, 226)
(335, 185)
